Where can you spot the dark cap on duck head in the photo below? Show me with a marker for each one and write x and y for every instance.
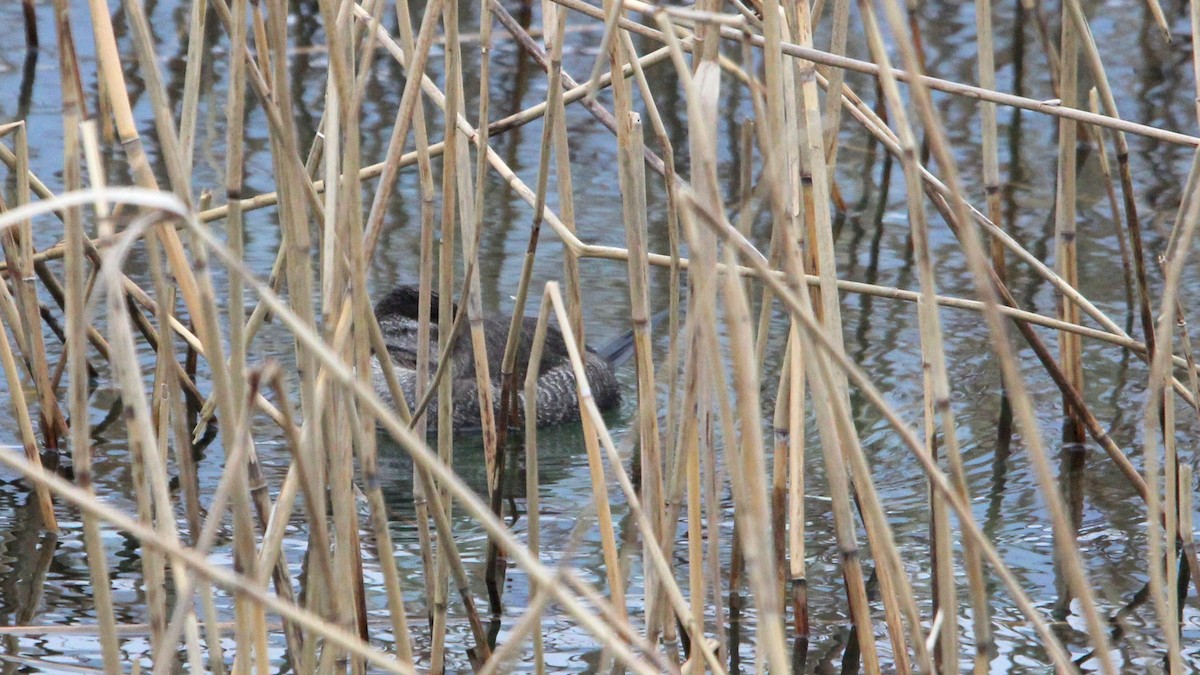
(403, 301)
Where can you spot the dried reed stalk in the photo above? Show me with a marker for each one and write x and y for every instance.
(114, 79)
(824, 58)
(340, 411)
(76, 320)
(701, 90)
(1159, 417)
(1194, 22)
(445, 442)
(1074, 12)
(1113, 203)
(552, 298)
(803, 313)
(17, 322)
(1065, 545)
(29, 440)
(552, 130)
(1064, 223)
(632, 182)
(436, 469)
(533, 488)
(197, 564)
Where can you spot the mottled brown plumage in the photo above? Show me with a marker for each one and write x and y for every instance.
(557, 400)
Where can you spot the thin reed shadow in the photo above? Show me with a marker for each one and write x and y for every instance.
(1010, 209)
(1072, 460)
(21, 594)
(993, 521)
(28, 76)
(736, 567)
(497, 230)
(29, 14)
(852, 657)
(866, 303)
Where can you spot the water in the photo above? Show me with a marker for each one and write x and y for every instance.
(44, 580)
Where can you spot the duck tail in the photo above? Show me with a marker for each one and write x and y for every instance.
(620, 349)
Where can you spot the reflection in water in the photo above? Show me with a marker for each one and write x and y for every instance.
(29, 15)
(28, 72)
(26, 554)
(1073, 457)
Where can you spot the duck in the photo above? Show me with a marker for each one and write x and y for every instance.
(557, 398)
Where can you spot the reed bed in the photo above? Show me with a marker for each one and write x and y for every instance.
(704, 536)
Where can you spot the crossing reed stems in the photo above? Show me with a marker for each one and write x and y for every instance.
(731, 454)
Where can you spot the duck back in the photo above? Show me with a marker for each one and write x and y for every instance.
(557, 399)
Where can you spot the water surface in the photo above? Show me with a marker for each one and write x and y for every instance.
(44, 579)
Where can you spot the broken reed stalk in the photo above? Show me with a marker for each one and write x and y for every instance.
(554, 20)
(631, 180)
(792, 428)
(833, 102)
(993, 187)
(671, 184)
(1066, 261)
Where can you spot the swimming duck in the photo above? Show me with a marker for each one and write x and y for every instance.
(557, 400)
